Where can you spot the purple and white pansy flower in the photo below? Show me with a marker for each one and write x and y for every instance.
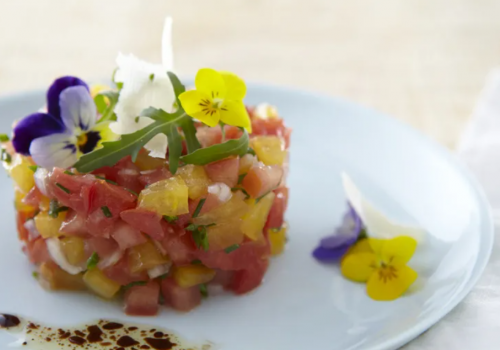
(67, 130)
(333, 247)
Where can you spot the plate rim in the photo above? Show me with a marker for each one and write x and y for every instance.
(487, 235)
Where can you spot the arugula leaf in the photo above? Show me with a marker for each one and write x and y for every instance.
(129, 144)
(106, 110)
(33, 168)
(189, 130)
(174, 148)
(4, 138)
(217, 152)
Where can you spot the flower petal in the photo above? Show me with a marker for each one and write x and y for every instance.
(235, 86)
(324, 254)
(195, 102)
(32, 127)
(383, 288)
(105, 132)
(78, 109)
(376, 223)
(399, 250)
(346, 234)
(167, 55)
(361, 246)
(358, 267)
(157, 147)
(139, 93)
(57, 150)
(233, 112)
(58, 86)
(211, 83)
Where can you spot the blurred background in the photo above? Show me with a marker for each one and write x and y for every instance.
(421, 61)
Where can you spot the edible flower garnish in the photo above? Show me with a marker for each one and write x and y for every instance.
(381, 263)
(332, 248)
(144, 85)
(68, 129)
(218, 98)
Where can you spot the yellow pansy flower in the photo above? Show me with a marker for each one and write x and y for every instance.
(218, 98)
(381, 263)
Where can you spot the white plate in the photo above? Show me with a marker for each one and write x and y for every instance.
(304, 304)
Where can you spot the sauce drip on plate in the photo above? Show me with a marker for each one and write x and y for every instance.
(98, 336)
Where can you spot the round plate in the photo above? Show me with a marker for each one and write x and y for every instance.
(304, 304)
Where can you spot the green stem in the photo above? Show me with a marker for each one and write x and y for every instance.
(223, 130)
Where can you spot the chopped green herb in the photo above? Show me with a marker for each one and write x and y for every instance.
(162, 277)
(196, 262)
(223, 131)
(108, 181)
(107, 212)
(6, 156)
(55, 209)
(133, 284)
(231, 248)
(199, 233)
(133, 192)
(203, 290)
(4, 138)
(251, 151)
(152, 77)
(67, 172)
(241, 177)
(258, 199)
(35, 274)
(62, 187)
(33, 168)
(93, 261)
(170, 219)
(199, 207)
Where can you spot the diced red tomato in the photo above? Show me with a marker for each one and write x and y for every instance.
(211, 136)
(108, 250)
(33, 197)
(181, 249)
(120, 272)
(222, 278)
(106, 203)
(182, 299)
(262, 179)
(271, 126)
(37, 251)
(21, 218)
(74, 224)
(128, 175)
(239, 259)
(127, 236)
(244, 281)
(149, 177)
(276, 215)
(225, 171)
(70, 190)
(143, 300)
(145, 221)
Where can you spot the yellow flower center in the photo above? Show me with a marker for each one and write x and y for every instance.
(387, 273)
(211, 107)
(82, 139)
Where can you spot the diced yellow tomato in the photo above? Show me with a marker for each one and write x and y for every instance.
(192, 275)
(49, 226)
(255, 220)
(74, 249)
(144, 257)
(19, 205)
(196, 180)
(277, 239)
(53, 277)
(97, 281)
(234, 208)
(44, 203)
(224, 234)
(145, 162)
(246, 162)
(269, 149)
(21, 173)
(166, 197)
